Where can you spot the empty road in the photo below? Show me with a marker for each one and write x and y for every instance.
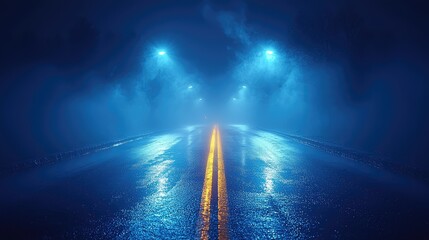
(210, 182)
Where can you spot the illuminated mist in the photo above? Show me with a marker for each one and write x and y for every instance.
(89, 80)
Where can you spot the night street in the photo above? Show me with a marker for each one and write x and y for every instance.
(173, 185)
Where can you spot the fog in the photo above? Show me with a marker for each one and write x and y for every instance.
(353, 75)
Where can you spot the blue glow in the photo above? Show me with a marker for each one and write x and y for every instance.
(244, 86)
(240, 127)
(234, 99)
(269, 54)
(156, 148)
(190, 87)
(161, 53)
(191, 128)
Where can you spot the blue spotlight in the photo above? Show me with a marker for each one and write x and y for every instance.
(161, 53)
(269, 54)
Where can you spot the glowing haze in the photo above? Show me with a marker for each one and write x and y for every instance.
(339, 73)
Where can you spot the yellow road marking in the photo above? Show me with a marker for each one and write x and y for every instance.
(207, 189)
(222, 203)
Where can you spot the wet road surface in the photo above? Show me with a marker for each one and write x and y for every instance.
(212, 182)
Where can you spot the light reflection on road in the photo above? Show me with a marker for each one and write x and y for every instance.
(276, 154)
(273, 188)
(160, 209)
(271, 159)
(243, 150)
(156, 147)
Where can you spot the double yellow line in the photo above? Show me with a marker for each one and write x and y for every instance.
(222, 202)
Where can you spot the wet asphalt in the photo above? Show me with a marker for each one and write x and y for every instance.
(152, 188)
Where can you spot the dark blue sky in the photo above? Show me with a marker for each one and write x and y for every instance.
(82, 72)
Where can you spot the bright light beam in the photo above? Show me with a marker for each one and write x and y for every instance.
(161, 53)
(269, 54)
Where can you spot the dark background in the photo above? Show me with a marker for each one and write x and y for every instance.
(353, 73)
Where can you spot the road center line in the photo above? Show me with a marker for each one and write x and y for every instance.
(207, 189)
(222, 202)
